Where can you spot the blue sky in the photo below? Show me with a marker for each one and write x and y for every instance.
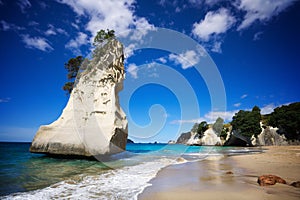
(250, 47)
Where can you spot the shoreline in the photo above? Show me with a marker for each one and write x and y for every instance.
(231, 177)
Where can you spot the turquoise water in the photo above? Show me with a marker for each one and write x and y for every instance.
(38, 176)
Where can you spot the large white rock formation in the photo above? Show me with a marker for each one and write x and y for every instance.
(209, 138)
(92, 123)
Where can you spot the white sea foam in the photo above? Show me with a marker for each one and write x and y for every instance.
(124, 183)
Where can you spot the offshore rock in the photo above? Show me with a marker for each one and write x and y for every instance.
(92, 123)
(266, 180)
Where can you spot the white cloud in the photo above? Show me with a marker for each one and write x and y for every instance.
(214, 23)
(261, 10)
(186, 59)
(132, 70)
(33, 23)
(210, 117)
(36, 43)
(110, 14)
(188, 121)
(162, 60)
(237, 104)
(5, 26)
(212, 2)
(75, 25)
(257, 36)
(267, 109)
(217, 47)
(52, 30)
(4, 100)
(24, 4)
(75, 44)
(142, 27)
(129, 50)
(244, 96)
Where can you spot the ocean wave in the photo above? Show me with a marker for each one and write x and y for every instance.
(124, 183)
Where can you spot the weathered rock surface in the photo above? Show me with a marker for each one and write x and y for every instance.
(183, 138)
(92, 123)
(270, 137)
(209, 138)
(266, 180)
(296, 184)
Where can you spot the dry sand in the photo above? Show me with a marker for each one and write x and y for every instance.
(208, 179)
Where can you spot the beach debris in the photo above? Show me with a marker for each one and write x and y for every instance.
(296, 184)
(229, 172)
(266, 180)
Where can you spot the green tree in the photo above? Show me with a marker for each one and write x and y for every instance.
(72, 66)
(103, 35)
(224, 132)
(247, 122)
(202, 127)
(287, 119)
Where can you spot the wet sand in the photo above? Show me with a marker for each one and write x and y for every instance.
(209, 179)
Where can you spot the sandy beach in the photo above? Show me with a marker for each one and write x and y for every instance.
(230, 177)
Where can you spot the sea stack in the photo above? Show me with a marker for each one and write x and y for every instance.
(92, 123)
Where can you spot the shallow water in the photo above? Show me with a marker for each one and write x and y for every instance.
(122, 176)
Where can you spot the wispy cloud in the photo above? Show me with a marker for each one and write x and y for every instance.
(36, 43)
(23, 5)
(257, 36)
(237, 104)
(162, 60)
(5, 26)
(244, 96)
(269, 108)
(132, 70)
(52, 30)
(214, 23)
(186, 59)
(4, 100)
(217, 47)
(75, 44)
(261, 10)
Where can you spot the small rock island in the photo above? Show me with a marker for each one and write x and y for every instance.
(92, 123)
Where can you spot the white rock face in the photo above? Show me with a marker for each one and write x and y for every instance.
(92, 123)
(269, 137)
(210, 138)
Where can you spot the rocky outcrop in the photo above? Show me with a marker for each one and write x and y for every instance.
(183, 138)
(92, 123)
(209, 138)
(171, 142)
(270, 137)
(236, 139)
(266, 180)
(296, 184)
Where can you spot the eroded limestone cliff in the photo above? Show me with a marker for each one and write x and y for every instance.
(92, 123)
